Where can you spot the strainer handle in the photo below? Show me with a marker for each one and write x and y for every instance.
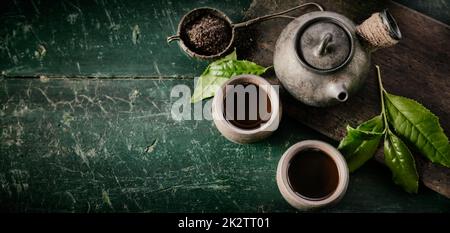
(275, 15)
(172, 38)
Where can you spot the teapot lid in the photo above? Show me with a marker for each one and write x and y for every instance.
(324, 44)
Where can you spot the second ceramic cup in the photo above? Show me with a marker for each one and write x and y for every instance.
(312, 174)
(244, 130)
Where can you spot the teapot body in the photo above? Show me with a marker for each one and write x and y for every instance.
(319, 59)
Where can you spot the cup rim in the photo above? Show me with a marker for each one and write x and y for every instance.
(256, 80)
(329, 150)
(189, 51)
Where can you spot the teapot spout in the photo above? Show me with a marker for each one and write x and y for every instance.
(379, 31)
(337, 92)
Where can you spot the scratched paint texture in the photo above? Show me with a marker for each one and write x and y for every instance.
(90, 38)
(71, 145)
(100, 145)
(108, 144)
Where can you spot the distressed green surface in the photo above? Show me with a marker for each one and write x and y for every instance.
(106, 145)
(111, 145)
(99, 38)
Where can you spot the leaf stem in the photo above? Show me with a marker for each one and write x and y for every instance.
(382, 91)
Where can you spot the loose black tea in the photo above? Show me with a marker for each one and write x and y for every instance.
(313, 174)
(208, 34)
(254, 117)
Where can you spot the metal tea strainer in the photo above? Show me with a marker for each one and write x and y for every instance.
(198, 12)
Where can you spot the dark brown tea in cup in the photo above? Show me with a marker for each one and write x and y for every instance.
(313, 174)
(254, 116)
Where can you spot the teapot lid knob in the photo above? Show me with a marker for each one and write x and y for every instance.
(324, 44)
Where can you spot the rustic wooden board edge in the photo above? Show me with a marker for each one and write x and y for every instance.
(420, 13)
(433, 176)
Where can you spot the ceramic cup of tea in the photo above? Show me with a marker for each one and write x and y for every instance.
(246, 109)
(312, 174)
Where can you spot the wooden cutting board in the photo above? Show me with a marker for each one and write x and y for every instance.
(418, 67)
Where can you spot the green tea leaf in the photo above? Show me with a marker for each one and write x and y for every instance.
(219, 72)
(206, 87)
(236, 67)
(231, 56)
(360, 144)
(401, 162)
(419, 126)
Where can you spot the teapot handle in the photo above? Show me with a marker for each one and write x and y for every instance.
(275, 15)
(379, 31)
